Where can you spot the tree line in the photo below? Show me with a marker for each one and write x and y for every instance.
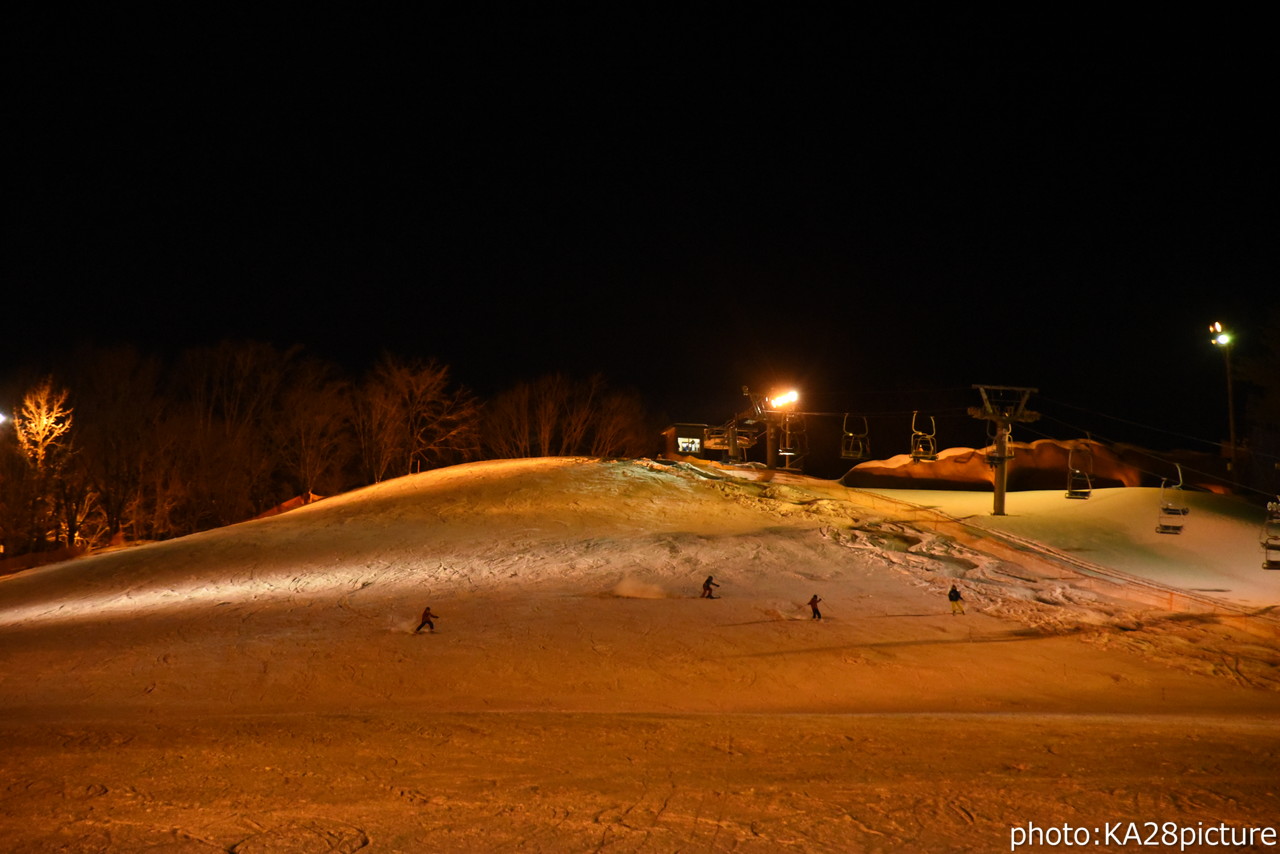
(122, 446)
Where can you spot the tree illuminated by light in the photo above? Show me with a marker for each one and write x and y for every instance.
(42, 422)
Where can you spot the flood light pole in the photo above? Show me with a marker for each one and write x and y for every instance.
(777, 416)
(1223, 340)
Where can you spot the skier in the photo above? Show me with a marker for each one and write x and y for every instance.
(813, 603)
(957, 601)
(706, 587)
(428, 619)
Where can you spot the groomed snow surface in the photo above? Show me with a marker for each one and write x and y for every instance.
(260, 689)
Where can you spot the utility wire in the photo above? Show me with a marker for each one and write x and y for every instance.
(1258, 455)
(1133, 423)
(1111, 443)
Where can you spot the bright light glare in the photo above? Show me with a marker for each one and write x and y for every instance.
(1220, 336)
(782, 400)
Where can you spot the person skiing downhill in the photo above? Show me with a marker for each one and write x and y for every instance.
(813, 603)
(428, 620)
(706, 587)
(957, 601)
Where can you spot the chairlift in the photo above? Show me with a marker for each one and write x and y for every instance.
(923, 445)
(1271, 536)
(855, 446)
(1079, 477)
(1173, 507)
(788, 446)
(793, 442)
(993, 457)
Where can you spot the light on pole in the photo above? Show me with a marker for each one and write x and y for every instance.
(778, 416)
(1223, 340)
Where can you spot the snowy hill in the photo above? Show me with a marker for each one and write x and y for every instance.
(260, 686)
(1217, 553)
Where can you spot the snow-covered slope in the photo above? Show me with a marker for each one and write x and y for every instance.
(1217, 553)
(260, 687)
(520, 530)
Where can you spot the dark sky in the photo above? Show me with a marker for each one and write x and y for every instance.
(882, 214)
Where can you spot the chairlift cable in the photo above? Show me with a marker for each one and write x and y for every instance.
(1131, 423)
(1111, 443)
(1261, 455)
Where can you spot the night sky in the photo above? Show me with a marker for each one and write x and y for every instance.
(882, 215)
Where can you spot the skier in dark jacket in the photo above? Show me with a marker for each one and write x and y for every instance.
(813, 603)
(428, 620)
(706, 587)
(957, 601)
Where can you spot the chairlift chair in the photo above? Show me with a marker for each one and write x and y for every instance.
(1079, 477)
(1271, 552)
(993, 457)
(1271, 536)
(1173, 508)
(794, 442)
(923, 446)
(1079, 484)
(855, 446)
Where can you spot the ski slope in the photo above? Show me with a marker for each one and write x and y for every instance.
(1218, 552)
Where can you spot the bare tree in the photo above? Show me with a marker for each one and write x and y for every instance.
(60, 498)
(507, 424)
(312, 432)
(408, 419)
(230, 393)
(621, 427)
(19, 497)
(374, 422)
(546, 403)
(1259, 372)
(42, 423)
(561, 414)
(577, 412)
(117, 395)
(558, 416)
(168, 498)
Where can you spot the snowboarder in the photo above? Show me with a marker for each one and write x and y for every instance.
(813, 603)
(428, 620)
(957, 601)
(706, 587)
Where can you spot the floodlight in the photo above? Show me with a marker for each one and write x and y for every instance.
(1222, 339)
(785, 399)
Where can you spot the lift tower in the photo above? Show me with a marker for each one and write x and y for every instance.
(1002, 405)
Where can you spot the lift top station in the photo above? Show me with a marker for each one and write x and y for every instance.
(784, 429)
(775, 419)
(1003, 405)
(686, 440)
